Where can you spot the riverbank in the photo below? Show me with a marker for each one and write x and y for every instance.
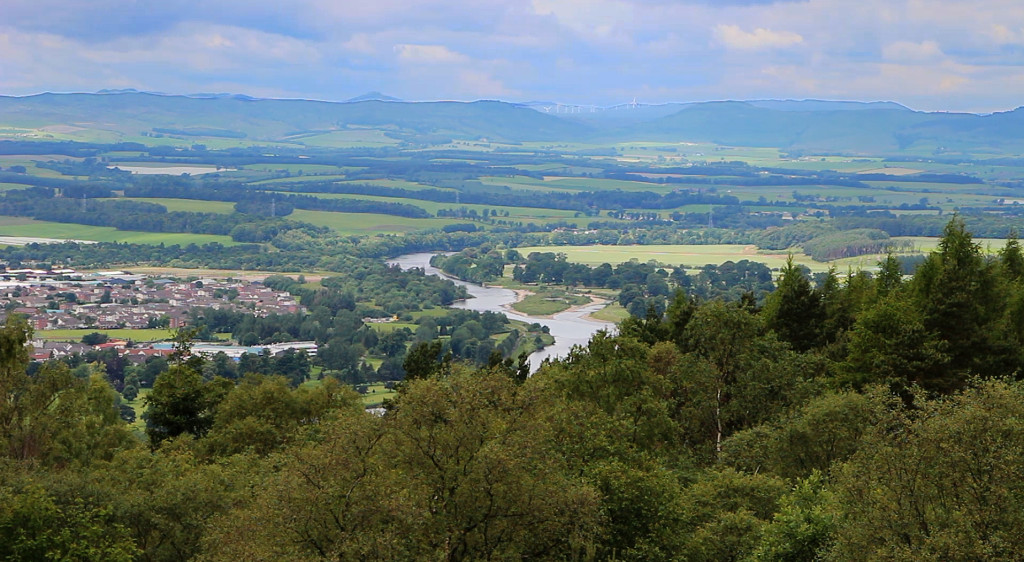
(592, 301)
(569, 328)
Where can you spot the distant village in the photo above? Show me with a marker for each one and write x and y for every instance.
(65, 299)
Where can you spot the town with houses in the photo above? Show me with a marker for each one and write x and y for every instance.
(65, 299)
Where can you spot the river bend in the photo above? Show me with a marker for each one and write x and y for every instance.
(569, 328)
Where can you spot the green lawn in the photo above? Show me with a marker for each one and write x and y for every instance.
(432, 312)
(139, 406)
(388, 327)
(376, 393)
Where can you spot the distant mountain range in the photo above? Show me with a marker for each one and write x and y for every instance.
(372, 96)
(811, 125)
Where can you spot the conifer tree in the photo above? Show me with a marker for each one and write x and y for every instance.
(794, 311)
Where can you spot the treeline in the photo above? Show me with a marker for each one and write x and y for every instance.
(260, 202)
(982, 225)
(642, 286)
(645, 288)
(67, 148)
(73, 187)
(476, 265)
(472, 191)
(850, 243)
(42, 204)
(296, 250)
(103, 254)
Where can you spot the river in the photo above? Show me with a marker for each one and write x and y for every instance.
(569, 328)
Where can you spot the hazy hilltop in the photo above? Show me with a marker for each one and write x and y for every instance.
(372, 96)
(272, 119)
(848, 127)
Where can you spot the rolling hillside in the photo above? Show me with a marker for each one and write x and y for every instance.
(810, 125)
(265, 119)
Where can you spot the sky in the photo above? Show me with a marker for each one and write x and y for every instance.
(935, 55)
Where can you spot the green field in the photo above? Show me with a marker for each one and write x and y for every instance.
(368, 223)
(135, 335)
(351, 138)
(187, 205)
(684, 255)
(931, 244)
(514, 213)
(159, 334)
(21, 226)
(300, 179)
(559, 183)
(522, 182)
(388, 327)
(431, 312)
(694, 256)
(403, 184)
(297, 168)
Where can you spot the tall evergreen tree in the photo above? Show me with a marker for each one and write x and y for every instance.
(890, 275)
(957, 291)
(794, 311)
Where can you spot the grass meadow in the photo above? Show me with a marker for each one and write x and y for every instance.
(158, 334)
(683, 255)
(21, 226)
(188, 205)
(695, 256)
(367, 223)
(547, 301)
(530, 214)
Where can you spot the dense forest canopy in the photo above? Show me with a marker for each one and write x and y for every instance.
(861, 417)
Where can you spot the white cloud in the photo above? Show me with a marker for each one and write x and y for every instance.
(583, 51)
(429, 54)
(482, 84)
(1003, 35)
(360, 43)
(732, 37)
(909, 51)
(592, 19)
(205, 47)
